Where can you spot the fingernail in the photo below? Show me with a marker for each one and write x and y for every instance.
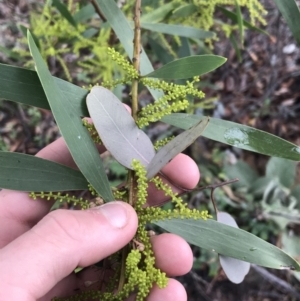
(115, 213)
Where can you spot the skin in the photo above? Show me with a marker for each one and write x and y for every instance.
(39, 250)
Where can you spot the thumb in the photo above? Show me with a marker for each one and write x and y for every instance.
(63, 240)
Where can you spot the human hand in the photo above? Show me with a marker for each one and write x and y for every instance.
(40, 250)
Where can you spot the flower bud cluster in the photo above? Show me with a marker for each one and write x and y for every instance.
(160, 143)
(174, 99)
(120, 60)
(51, 196)
(92, 130)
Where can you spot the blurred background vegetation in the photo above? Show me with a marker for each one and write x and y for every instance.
(258, 86)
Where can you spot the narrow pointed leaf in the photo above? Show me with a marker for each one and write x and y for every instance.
(232, 16)
(24, 29)
(235, 45)
(230, 241)
(238, 135)
(160, 52)
(185, 11)
(117, 129)
(76, 136)
(28, 173)
(188, 67)
(174, 147)
(158, 14)
(27, 89)
(85, 13)
(291, 13)
(62, 8)
(235, 269)
(179, 30)
(22, 85)
(185, 48)
(240, 22)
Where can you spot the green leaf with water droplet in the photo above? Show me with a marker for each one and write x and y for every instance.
(238, 135)
(229, 241)
(117, 129)
(174, 147)
(188, 67)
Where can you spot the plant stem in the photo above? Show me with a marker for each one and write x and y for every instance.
(134, 108)
(136, 56)
(125, 251)
(135, 85)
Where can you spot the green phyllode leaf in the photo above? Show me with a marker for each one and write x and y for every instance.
(232, 16)
(229, 241)
(26, 85)
(235, 269)
(238, 135)
(62, 8)
(188, 67)
(184, 11)
(291, 13)
(117, 129)
(240, 22)
(174, 147)
(77, 138)
(85, 13)
(29, 91)
(180, 30)
(28, 173)
(158, 14)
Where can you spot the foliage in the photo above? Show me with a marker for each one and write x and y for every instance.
(57, 31)
(272, 200)
(63, 39)
(58, 40)
(274, 194)
(206, 9)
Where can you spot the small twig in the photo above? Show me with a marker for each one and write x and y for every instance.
(136, 56)
(134, 88)
(138, 245)
(132, 183)
(123, 267)
(184, 190)
(214, 186)
(276, 282)
(213, 200)
(98, 11)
